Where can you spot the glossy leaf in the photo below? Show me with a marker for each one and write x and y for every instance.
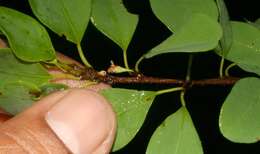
(131, 107)
(177, 13)
(65, 17)
(27, 38)
(12, 70)
(113, 19)
(15, 97)
(176, 135)
(227, 38)
(239, 117)
(245, 48)
(201, 33)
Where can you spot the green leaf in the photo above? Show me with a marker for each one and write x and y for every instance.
(112, 19)
(239, 116)
(201, 33)
(193, 22)
(15, 97)
(65, 17)
(177, 13)
(245, 48)
(131, 107)
(27, 38)
(176, 135)
(12, 70)
(227, 38)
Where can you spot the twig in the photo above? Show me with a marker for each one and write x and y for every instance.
(215, 81)
(91, 74)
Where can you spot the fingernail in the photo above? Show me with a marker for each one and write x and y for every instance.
(82, 120)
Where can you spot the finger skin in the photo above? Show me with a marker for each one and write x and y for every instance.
(90, 128)
(29, 133)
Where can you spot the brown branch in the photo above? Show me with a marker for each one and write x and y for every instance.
(215, 81)
(91, 74)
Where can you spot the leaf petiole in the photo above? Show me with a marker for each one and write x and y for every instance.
(82, 57)
(169, 90)
(125, 59)
(183, 102)
(228, 68)
(221, 67)
(138, 63)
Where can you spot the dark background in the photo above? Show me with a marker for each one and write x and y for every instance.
(203, 103)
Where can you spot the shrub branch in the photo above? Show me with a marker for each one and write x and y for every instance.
(91, 74)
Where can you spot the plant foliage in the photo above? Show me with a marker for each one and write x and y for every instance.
(196, 26)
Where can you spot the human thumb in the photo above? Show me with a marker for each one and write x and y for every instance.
(76, 121)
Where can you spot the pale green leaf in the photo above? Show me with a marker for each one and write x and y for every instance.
(193, 22)
(65, 17)
(113, 19)
(201, 33)
(15, 97)
(27, 38)
(227, 38)
(245, 49)
(177, 13)
(12, 70)
(239, 116)
(176, 135)
(131, 107)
